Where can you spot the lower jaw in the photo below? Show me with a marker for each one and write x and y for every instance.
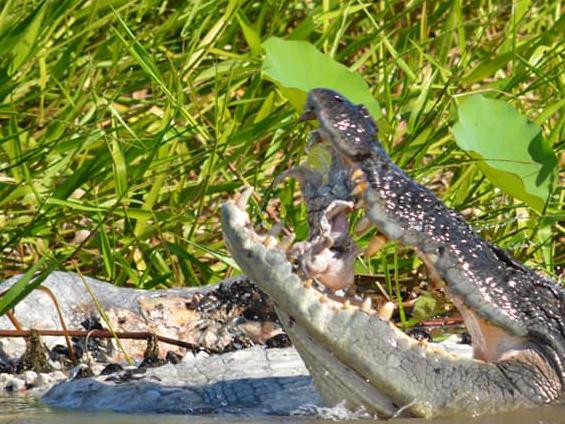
(337, 382)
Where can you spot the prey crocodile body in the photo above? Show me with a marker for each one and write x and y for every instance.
(516, 316)
(482, 278)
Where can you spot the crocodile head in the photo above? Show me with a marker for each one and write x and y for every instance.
(353, 352)
(350, 127)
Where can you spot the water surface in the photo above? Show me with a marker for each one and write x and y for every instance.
(24, 410)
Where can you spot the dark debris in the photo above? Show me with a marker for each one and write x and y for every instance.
(242, 297)
(420, 334)
(111, 369)
(279, 341)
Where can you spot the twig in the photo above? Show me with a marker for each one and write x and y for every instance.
(135, 335)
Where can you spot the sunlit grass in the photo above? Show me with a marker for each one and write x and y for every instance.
(124, 125)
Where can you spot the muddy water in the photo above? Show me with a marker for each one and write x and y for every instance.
(22, 410)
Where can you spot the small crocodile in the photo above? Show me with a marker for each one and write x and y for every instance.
(516, 316)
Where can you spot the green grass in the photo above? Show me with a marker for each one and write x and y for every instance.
(124, 125)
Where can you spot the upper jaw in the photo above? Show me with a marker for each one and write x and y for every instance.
(310, 111)
(305, 312)
(322, 102)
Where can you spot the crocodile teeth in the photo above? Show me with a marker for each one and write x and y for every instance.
(308, 283)
(346, 305)
(367, 304)
(324, 298)
(244, 197)
(386, 311)
(375, 244)
(275, 230)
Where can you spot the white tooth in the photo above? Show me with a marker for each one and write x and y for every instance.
(346, 305)
(324, 298)
(386, 311)
(308, 283)
(244, 197)
(367, 304)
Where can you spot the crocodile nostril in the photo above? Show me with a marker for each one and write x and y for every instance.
(440, 251)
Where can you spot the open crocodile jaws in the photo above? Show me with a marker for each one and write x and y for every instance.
(516, 317)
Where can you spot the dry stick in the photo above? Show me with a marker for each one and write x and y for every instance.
(62, 321)
(12, 318)
(442, 322)
(135, 335)
(16, 323)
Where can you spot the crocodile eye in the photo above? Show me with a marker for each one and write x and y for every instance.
(338, 99)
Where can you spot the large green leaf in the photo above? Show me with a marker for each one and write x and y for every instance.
(510, 150)
(297, 67)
